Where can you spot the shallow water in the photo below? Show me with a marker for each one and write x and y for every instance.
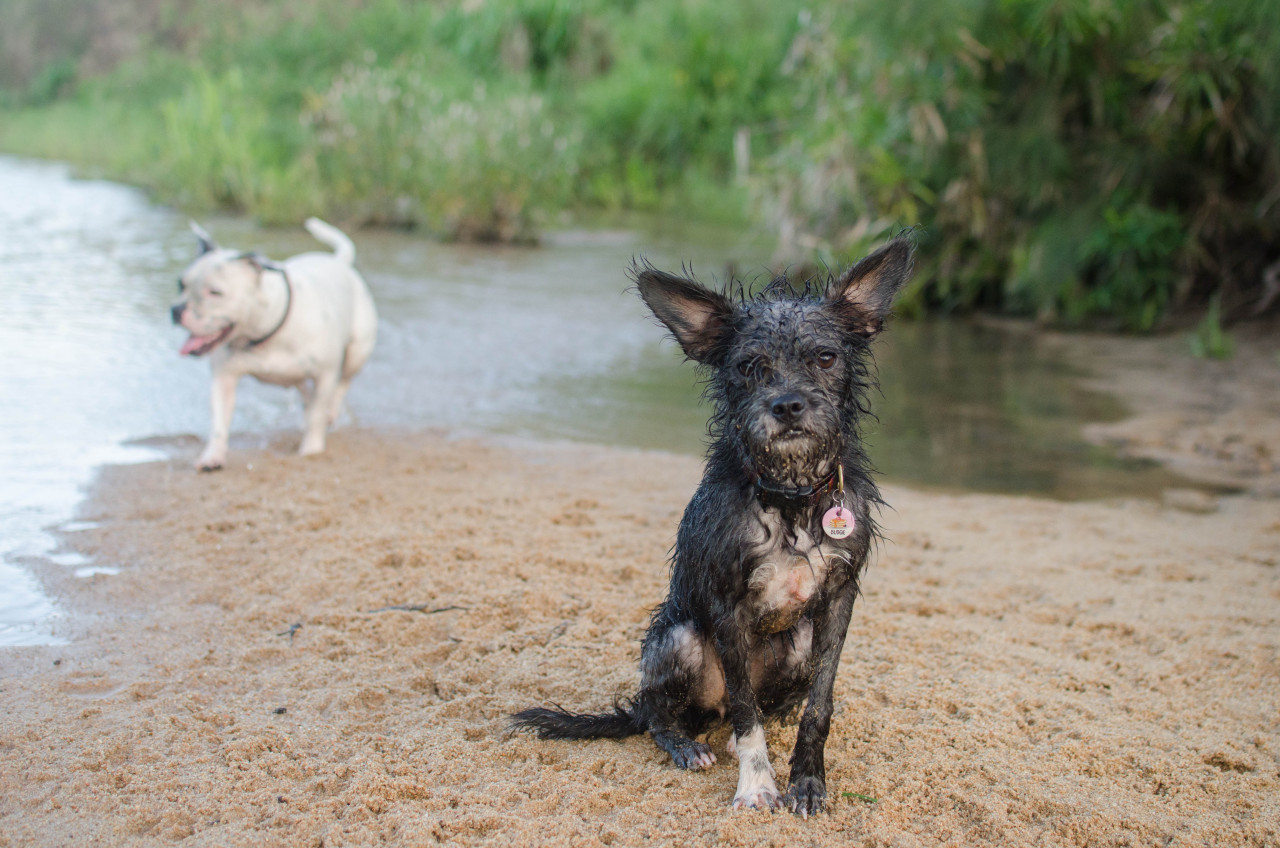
(542, 342)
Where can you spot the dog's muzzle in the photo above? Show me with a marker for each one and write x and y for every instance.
(175, 312)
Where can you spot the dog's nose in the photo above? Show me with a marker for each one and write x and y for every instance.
(788, 407)
(175, 312)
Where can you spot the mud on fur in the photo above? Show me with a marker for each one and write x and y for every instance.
(760, 596)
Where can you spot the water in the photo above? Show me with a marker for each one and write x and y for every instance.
(540, 342)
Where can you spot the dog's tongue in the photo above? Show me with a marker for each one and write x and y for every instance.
(194, 344)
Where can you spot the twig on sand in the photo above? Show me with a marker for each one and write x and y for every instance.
(422, 608)
(859, 796)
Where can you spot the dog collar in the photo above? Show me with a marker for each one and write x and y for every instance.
(288, 303)
(790, 497)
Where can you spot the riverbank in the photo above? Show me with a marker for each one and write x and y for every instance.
(324, 651)
(488, 121)
(1213, 421)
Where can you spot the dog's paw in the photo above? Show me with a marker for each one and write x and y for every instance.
(758, 798)
(210, 463)
(695, 756)
(807, 796)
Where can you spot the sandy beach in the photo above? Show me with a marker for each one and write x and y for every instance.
(324, 651)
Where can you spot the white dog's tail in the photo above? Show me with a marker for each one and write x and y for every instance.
(342, 246)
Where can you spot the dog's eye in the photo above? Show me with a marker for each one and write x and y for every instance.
(747, 366)
(826, 359)
(214, 293)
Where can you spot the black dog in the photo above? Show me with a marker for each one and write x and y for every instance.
(768, 556)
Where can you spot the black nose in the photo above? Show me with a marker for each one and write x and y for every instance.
(788, 407)
(176, 312)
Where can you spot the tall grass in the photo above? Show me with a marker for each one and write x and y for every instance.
(1070, 160)
(401, 146)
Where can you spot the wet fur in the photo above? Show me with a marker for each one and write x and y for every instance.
(760, 598)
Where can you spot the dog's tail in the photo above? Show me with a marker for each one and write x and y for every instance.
(343, 248)
(559, 723)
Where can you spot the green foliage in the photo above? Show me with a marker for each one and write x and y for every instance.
(213, 143)
(1071, 160)
(1131, 254)
(1074, 160)
(1209, 340)
(401, 146)
(679, 90)
(53, 81)
(545, 38)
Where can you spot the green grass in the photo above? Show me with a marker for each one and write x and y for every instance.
(104, 139)
(1077, 162)
(1209, 340)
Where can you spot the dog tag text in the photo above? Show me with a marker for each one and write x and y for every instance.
(838, 523)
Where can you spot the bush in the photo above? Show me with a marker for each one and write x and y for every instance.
(401, 146)
(1071, 160)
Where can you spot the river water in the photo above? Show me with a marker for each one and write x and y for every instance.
(542, 343)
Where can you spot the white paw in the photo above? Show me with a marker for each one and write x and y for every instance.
(210, 461)
(761, 797)
(310, 448)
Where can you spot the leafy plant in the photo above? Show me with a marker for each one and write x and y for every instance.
(1210, 340)
(1075, 161)
(1071, 160)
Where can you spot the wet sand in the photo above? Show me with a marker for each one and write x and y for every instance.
(1216, 422)
(323, 652)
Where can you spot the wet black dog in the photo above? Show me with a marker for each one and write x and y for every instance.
(768, 556)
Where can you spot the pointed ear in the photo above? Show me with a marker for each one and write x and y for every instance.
(698, 317)
(206, 241)
(863, 295)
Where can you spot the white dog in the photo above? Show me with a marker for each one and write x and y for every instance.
(308, 322)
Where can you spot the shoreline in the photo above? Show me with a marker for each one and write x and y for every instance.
(324, 651)
(1216, 422)
(1019, 671)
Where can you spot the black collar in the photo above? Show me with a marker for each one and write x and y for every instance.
(790, 497)
(288, 304)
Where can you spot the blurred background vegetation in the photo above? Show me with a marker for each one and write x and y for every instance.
(1078, 161)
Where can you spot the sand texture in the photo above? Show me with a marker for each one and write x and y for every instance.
(1019, 672)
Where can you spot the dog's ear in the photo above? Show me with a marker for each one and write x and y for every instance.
(259, 263)
(698, 317)
(206, 241)
(863, 295)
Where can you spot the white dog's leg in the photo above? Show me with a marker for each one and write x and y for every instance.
(319, 401)
(222, 402)
(339, 394)
(756, 789)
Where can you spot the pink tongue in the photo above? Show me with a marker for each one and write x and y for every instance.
(195, 343)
